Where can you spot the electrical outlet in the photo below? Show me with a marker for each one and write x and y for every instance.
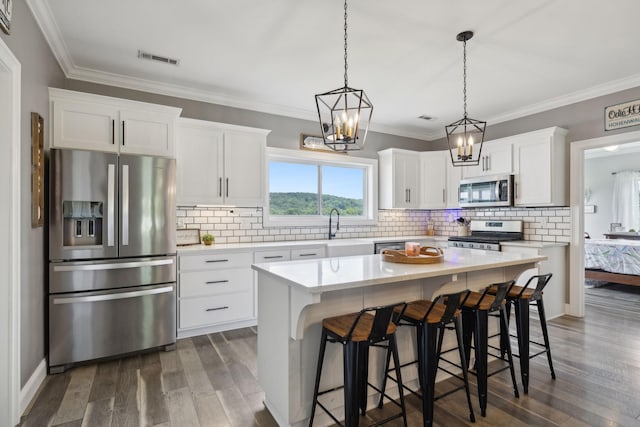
(451, 217)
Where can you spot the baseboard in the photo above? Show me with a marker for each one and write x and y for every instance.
(30, 389)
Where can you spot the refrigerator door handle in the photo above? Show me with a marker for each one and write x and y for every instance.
(125, 205)
(114, 296)
(111, 203)
(111, 266)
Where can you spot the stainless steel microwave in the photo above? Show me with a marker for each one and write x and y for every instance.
(485, 191)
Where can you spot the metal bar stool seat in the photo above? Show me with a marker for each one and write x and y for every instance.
(475, 315)
(431, 318)
(357, 332)
(521, 298)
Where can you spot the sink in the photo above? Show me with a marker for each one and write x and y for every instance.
(349, 247)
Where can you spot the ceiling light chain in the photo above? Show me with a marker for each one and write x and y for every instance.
(344, 113)
(464, 75)
(346, 67)
(463, 134)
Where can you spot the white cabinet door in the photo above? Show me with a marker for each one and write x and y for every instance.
(244, 168)
(199, 165)
(539, 161)
(399, 176)
(90, 126)
(495, 159)
(146, 132)
(433, 179)
(406, 175)
(454, 174)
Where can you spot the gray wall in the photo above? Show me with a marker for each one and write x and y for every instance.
(39, 70)
(584, 120)
(598, 178)
(285, 131)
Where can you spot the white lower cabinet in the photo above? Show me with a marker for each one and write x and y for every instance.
(216, 292)
(555, 293)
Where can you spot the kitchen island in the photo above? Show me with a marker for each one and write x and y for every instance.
(294, 297)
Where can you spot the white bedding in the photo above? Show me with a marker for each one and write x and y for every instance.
(613, 255)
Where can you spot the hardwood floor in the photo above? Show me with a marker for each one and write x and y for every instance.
(211, 381)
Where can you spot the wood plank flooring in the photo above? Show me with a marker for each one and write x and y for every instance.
(211, 381)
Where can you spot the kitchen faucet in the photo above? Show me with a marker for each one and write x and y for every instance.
(332, 235)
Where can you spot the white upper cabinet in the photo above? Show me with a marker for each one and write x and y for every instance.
(433, 179)
(495, 159)
(454, 175)
(399, 179)
(219, 164)
(101, 123)
(539, 160)
(199, 164)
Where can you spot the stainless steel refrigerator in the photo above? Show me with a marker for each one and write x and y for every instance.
(112, 262)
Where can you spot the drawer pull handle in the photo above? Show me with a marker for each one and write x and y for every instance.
(272, 257)
(217, 308)
(307, 254)
(216, 281)
(217, 260)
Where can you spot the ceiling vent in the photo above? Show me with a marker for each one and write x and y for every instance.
(146, 55)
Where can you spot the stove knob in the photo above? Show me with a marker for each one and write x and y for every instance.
(481, 246)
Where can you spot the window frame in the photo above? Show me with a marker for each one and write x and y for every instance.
(370, 194)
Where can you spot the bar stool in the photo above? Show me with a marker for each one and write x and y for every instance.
(521, 297)
(430, 320)
(475, 315)
(357, 332)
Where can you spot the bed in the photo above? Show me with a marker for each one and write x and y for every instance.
(612, 260)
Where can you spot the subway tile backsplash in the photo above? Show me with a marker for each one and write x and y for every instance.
(244, 225)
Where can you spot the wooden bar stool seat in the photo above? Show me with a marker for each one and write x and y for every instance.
(357, 332)
(341, 326)
(431, 318)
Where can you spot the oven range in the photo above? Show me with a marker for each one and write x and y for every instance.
(487, 234)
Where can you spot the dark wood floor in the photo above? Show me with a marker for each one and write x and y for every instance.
(211, 381)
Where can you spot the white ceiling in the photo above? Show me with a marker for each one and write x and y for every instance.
(274, 56)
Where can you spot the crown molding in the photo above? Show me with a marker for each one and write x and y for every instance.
(43, 15)
(568, 99)
(46, 21)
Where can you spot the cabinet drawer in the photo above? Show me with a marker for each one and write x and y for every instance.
(197, 312)
(273, 256)
(215, 261)
(215, 282)
(308, 253)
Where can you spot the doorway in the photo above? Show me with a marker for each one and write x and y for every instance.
(10, 72)
(576, 249)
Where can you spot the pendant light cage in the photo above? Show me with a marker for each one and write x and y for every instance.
(344, 113)
(465, 136)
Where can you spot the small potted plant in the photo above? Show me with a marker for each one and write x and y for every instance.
(208, 239)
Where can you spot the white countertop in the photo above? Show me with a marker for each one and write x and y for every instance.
(328, 274)
(183, 250)
(533, 244)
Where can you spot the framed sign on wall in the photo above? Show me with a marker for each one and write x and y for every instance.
(37, 170)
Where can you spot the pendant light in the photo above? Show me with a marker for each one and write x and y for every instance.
(466, 135)
(344, 113)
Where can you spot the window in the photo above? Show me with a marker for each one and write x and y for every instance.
(304, 187)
